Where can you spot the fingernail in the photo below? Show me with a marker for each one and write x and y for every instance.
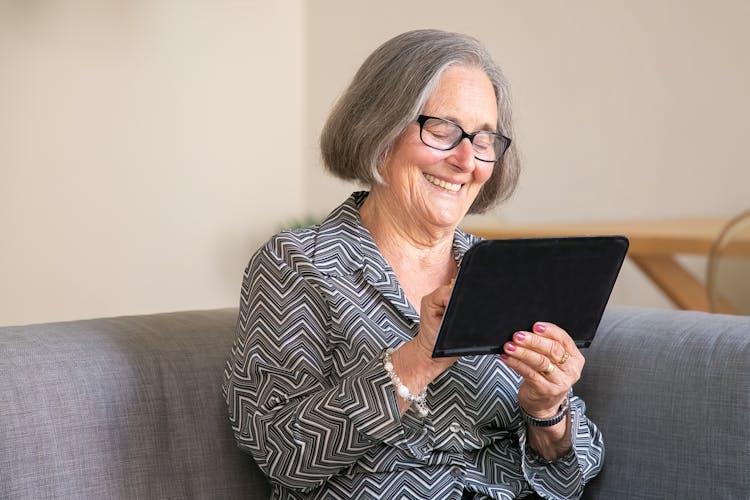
(504, 357)
(519, 336)
(539, 328)
(510, 347)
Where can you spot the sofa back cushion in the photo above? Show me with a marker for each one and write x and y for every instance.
(124, 407)
(670, 391)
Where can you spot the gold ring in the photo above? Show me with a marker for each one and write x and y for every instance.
(564, 358)
(550, 368)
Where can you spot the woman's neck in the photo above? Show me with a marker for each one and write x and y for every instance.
(394, 231)
(421, 257)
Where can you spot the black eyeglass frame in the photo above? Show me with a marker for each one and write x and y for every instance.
(421, 119)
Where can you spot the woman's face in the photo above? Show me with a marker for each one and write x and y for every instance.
(438, 187)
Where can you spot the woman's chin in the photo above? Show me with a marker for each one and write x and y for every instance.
(449, 210)
(447, 217)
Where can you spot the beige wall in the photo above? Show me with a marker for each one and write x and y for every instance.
(624, 109)
(147, 147)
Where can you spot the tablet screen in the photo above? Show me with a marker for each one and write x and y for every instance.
(507, 285)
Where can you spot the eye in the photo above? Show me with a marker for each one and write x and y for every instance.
(483, 142)
(437, 134)
(441, 130)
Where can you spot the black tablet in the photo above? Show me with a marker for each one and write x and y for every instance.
(504, 286)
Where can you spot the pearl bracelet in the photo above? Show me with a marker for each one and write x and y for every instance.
(418, 400)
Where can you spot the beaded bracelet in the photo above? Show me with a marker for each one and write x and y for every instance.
(418, 400)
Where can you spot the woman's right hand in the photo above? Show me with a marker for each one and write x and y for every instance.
(431, 314)
(413, 361)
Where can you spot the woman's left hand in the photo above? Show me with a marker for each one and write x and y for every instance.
(550, 363)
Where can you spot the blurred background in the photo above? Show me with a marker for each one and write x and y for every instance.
(147, 148)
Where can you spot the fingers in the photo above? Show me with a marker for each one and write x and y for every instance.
(432, 308)
(550, 363)
(557, 335)
(548, 352)
(434, 304)
(549, 348)
(533, 366)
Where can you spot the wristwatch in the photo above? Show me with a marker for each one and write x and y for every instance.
(536, 422)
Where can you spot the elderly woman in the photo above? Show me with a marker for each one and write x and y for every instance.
(331, 385)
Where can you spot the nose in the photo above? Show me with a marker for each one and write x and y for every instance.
(463, 155)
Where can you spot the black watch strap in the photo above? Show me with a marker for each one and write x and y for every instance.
(549, 422)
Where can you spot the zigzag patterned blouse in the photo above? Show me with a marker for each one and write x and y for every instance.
(309, 399)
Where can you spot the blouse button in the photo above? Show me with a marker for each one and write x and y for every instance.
(455, 428)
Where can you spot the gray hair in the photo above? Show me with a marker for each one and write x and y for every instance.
(387, 94)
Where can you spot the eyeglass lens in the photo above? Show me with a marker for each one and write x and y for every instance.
(444, 135)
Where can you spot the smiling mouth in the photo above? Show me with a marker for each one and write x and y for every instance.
(448, 186)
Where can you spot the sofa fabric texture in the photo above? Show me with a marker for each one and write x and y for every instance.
(131, 408)
(670, 391)
(121, 408)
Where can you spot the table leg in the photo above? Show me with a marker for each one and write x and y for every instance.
(680, 286)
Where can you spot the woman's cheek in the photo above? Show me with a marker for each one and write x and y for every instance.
(483, 171)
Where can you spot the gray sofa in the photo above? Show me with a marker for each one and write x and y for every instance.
(130, 408)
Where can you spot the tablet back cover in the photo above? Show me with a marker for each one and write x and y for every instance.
(505, 286)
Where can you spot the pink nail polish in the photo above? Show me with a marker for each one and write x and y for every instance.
(504, 357)
(510, 347)
(519, 336)
(539, 328)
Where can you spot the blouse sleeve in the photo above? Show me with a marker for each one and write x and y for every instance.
(566, 477)
(300, 426)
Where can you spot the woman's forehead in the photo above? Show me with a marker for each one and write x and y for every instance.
(466, 96)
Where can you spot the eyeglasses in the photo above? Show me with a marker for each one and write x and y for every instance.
(443, 135)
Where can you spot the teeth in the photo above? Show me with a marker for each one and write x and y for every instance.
(445, 185)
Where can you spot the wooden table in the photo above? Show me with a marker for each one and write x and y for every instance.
(653, 247)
